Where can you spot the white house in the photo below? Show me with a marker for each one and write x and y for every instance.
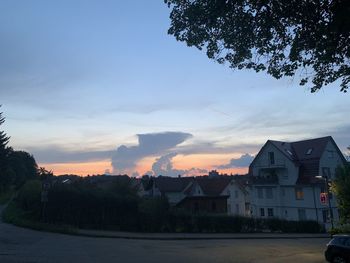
(284, 183)
(238, 202)
(213, 194)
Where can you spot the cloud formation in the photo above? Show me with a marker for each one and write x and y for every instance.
(164, 166)
(56, 154)
(242, 161)
(125, 158)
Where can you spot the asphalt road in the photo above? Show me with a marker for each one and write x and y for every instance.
(24, 245)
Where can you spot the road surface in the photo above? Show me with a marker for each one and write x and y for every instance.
(24, 245)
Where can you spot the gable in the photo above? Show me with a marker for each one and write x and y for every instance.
(280, 149)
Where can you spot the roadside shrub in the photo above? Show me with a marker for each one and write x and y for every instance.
(29, 198)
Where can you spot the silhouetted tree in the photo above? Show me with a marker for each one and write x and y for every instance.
(282, 37)
(23, 165)
(341, 187)
(5, 174)
(44, 174)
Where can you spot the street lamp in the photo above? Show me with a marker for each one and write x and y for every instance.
(326, 180)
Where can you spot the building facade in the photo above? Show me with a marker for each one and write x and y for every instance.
(287, 180)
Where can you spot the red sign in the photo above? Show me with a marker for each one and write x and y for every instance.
(323, 198)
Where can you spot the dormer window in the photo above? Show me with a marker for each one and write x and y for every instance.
(309, 151)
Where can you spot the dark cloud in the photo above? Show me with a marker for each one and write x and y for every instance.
(164, 166)
(242, 161)
(341, 136)
(125, 158)
(55, 154)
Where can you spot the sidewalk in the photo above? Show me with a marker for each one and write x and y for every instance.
(196, 236)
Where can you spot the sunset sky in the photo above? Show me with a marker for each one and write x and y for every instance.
(100, 87)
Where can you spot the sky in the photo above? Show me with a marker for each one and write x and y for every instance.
(92, 87)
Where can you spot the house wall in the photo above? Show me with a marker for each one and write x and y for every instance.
(174, 197)
(283, 202)
(330, 158)
(238, 202)
(205, 205)
(285, 169)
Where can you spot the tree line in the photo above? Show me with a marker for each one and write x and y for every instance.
(15, 166)
(82, 203)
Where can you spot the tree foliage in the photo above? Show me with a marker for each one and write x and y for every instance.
(283, 37)
(5, 174)
(23, 166)
(341, 187)
(15, 166)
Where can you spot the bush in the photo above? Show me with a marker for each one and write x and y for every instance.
(28, 198)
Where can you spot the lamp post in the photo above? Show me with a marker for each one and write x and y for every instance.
(326, 180)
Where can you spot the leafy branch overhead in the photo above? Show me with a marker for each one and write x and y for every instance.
(283, 37)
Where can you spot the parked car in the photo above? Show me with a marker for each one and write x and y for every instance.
(338, 249)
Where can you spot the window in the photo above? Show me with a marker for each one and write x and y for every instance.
(237, 208)
(289, 152)
(236, 194)
(269, 193)
(270, 212)
(262, 212)
(299, 194)
(213, 206)
(272, 157)
(309, 151)
(260, 193)
(301, 214)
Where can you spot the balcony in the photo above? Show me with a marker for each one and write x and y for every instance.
(267, 179)
(266, 164)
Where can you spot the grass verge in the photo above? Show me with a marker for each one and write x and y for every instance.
(16, 216)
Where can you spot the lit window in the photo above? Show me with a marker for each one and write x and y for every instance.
(299, 193)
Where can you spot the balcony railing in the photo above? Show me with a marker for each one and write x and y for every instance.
(267, 164)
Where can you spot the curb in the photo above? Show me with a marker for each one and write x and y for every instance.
(169, 238)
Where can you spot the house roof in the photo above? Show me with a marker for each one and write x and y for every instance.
(306, 154)
(213, 185)
(172, 184)
(316, 147)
